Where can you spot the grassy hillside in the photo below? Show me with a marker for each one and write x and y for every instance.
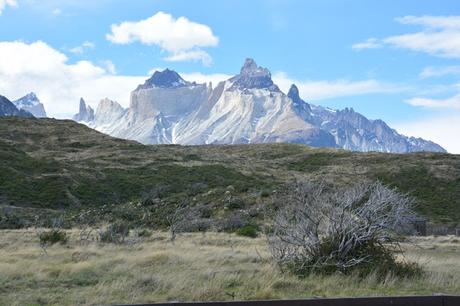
(49, 165)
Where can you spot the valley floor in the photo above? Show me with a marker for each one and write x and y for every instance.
(197, 267)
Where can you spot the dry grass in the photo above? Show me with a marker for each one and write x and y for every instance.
(197, 267)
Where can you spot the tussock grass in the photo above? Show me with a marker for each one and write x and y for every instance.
(197, 267)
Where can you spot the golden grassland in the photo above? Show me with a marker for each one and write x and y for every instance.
(197, 267)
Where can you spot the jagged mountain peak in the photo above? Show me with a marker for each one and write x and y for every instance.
(249, 66)
(31, 96)
(302, 108)
(107, 101)
(107, 106)
(293, 93)
(82, 104)
(31, 103)
(253, 76)
(165, 79)
(85, 112)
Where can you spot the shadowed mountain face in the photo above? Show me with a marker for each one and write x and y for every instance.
(164, 79)
(8, 109)
(247, 108)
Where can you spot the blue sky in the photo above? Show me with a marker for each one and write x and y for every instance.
(398, 62)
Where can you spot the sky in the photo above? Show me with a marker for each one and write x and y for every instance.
(393, 60)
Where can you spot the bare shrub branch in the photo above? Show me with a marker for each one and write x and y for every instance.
(316, 230)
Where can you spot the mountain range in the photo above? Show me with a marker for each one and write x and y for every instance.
(247, 108)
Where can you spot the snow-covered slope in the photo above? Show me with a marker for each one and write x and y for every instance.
(247, 108)
(32, 104)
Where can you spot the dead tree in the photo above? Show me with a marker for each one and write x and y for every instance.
(178, 218)
(315, 230)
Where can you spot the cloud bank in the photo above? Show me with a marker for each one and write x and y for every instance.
(440, 129)
(312, 90)
(40, 68)
(451, 102)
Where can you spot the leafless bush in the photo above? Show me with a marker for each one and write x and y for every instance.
(87, 223)
(114, 233)
(180, 218)
(232, 223)
(315, 230)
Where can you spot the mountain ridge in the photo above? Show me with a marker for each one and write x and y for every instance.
(247, 108)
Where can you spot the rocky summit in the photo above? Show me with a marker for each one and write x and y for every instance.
(247, 108)
(31, 103)
(85, 113)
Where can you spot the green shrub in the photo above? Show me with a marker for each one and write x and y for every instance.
(248, 231)
(381, 262)
(53, 236)
(265, 193)
(144, 233)
(235, 203)
(10, 221)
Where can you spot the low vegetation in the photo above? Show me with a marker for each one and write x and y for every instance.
(53, 236)
(49, 166)
(196, 267)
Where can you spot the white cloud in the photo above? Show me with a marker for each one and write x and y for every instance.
(5, 3)
(440, 129)
(371, 43)
(40, 68)
(451, 102)
(320, 90)
(433, 22)
(199, 77)
(439, 36)
(180, 37)
(83, 47)
(109, 66)
(193, 55)
(439, 71)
